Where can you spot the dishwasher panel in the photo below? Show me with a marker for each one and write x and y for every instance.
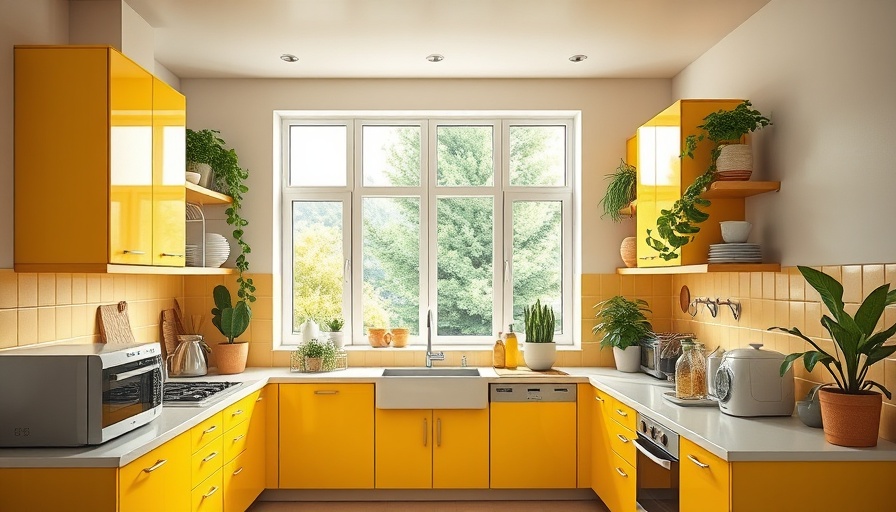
(532, 392)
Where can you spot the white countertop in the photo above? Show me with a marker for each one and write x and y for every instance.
(733, 439)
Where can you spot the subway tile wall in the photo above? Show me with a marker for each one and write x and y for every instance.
(40, 308)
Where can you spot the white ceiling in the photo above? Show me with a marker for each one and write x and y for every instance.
(479, 38)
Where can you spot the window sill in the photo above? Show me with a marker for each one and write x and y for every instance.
(421, 348)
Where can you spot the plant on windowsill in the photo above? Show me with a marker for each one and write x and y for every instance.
(851, 411)
(334, 325)
(676, 227)
(317, 356)
(623, 325)
(541, 351)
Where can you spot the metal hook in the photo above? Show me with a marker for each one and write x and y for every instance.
(734, 306)
(713, 307)
(692, 308)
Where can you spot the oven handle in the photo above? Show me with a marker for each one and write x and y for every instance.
(133, 373)
(665, 463)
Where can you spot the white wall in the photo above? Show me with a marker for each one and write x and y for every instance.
(242, 109)
(825, 70)
(31, 22)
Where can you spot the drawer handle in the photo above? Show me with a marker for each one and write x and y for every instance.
(621, 472)
(425, 432)
(599, 399)
(622, 438)
(439, 432)
(238, 471)
(259, 399)
(237, 412)
(210, 429)
(159, 463)
(211, 491)
(137, 253)
(697, 462)
(621, 412)
(172, 255)
(237, 438)
(326, 392)
(210, 457)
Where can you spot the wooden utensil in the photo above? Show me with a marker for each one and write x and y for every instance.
(114, 325)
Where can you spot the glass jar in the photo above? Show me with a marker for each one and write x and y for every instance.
(690, 371)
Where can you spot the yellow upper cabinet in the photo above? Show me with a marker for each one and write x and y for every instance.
(99, 167)
(663, 177)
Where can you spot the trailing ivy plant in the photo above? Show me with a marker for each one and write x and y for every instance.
(620, 192)
(206, 146)
(677, 226)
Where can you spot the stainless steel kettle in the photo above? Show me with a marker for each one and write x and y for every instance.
(190, 357)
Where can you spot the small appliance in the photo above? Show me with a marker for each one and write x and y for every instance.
(659, 354)
(748, 383)
(73, 395)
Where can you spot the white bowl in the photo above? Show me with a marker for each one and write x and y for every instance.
(193, 177)
(735, 231)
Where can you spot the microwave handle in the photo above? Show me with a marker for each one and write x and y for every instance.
(132, 373)
(665, 463)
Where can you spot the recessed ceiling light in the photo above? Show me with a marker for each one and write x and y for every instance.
(578, 58)
(435, 57)
(288, 57)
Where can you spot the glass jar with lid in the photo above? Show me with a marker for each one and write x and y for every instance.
(690, 371)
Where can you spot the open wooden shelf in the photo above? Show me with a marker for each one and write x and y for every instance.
(177, 271)
(729, 189)
(203, 196)
(702, 269)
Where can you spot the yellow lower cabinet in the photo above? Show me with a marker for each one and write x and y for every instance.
(208, 496)
(622, 441)
(704, 480)
(601, 453)
(235, 440)
(533, 445)
(59, 489)
(326, 436)
(207, 460)
(403, 449)
(624, 481)
(460, 452)
(159, 480)
(205, 432)
(243, 480)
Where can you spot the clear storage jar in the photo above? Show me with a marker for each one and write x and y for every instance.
(690, 372)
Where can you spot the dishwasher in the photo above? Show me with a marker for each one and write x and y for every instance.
(533, 436)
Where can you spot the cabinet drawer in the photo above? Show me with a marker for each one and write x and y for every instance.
(625, 483)
(243, 480)
(622, 441)
(206, 432)
(207, 460)
(235, 440)
(157, 480)
(622, 413)
(704, 479)
(240, 411)
(208, 496)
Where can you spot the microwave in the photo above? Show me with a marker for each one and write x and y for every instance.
(75, 395)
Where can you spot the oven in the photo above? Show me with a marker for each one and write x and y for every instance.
(657, 472)
(74, 395)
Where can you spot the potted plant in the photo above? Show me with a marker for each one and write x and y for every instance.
(232, 320)
(677, 226)
(334, 325)
(541, 351)
(621, 194)
(850, 408)
(623, 325)
(318, 355)
(207, 154)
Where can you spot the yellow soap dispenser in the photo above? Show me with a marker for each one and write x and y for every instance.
(511, 350)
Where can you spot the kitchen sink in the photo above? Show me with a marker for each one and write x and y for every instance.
(431, 372)
(431, 388)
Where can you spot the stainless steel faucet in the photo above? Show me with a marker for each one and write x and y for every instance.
(430, 355)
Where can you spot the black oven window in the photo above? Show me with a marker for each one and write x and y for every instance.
(130, 389)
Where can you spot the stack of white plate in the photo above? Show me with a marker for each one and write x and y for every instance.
(217, 250)
(193, 256)
(735, 253)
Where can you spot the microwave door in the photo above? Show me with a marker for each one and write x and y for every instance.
(129, 390)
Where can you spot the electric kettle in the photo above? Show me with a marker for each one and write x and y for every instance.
(190, 357)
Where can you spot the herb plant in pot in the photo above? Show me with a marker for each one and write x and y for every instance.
(733, 160)
(541, 351)
(208, 155)
(623, 325)
(621, 194)
(334, 325)
(850, 408)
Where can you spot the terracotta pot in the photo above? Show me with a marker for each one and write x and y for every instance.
(850, 420)
(313, 364)
(231, 357)
(629, 251)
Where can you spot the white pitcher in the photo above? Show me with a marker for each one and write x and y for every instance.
(310, 330)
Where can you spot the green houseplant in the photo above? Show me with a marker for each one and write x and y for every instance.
(231, 320)
(540, 351)
(677, 226)
(620, 191)
(334, 325)
(856, 348)
(317, 355)
(623, 325)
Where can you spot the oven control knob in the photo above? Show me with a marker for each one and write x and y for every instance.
(653, 432)
(643, 426)
(664, 439)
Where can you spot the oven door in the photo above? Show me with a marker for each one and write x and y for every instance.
(657, 478)
(131, 397)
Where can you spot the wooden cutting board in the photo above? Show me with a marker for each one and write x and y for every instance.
(114, 325)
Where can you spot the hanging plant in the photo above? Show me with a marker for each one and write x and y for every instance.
(620, 192)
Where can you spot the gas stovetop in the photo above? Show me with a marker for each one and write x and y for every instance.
(195, 393)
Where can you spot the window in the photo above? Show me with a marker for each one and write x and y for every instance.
(387, 218)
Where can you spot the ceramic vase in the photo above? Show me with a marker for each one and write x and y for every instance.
(629, 359)
(540, 356)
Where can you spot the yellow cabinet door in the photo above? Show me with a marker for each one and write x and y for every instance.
(625, 486)
(159, 480)
(460, 449)
(207, 460)
(533, 445)
(59, 489)
(130, 162)
(704, 480)
(601, 453)
(169, 121)
(243, 481)
(326, 436)
(208, 496)
(404, 449)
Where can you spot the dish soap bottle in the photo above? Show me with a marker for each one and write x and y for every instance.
(498, 355)
(511, 350)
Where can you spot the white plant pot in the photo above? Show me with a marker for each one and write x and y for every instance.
(338, 338)
(540, 356)
(629, 359)
(310, 331)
